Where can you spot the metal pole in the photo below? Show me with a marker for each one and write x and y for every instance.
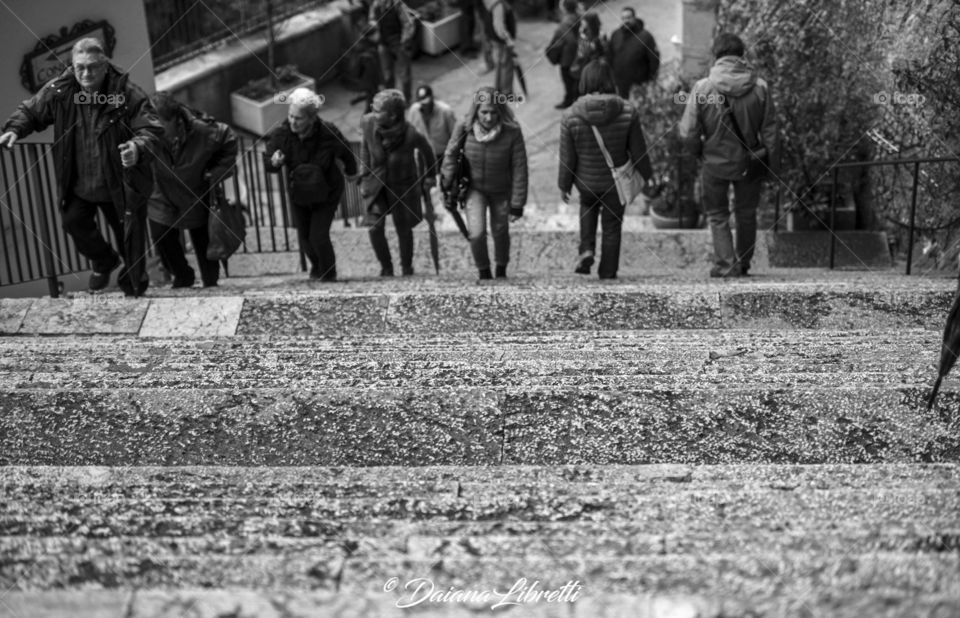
(53, 284)
(833, 212)
(913, 216)
(776, 211)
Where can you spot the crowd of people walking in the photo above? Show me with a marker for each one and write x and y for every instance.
(138, 158)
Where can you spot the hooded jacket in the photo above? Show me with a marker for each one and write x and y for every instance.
(181, 192)
(707, 130)
(581, 161)
(128, 115)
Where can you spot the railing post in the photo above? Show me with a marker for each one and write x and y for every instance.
(53, 284)
(776, 207)
(913, 215)
(833, 213)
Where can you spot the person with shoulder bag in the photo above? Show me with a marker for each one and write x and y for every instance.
(600, 137)
(730, 123)
(200, 153)
(311, 148)
(496, 160)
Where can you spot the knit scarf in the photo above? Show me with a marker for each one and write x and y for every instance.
(483, 136)
(392, 137)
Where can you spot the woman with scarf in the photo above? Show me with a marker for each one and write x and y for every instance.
(497, 158)
(391, 175)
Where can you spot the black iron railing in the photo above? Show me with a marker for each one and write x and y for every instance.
(33, 244)
(915, 162)
(181, 29)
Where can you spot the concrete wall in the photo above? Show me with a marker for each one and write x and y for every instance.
(24, 22)
(316, 42)
(699, 21)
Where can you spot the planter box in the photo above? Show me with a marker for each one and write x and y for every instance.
(438, 37)
(846, 219)
(259, 117)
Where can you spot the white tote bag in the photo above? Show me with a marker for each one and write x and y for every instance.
(628, 180)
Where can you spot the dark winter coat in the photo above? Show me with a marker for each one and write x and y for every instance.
(581, 161)
(130, 116)
(395, 170)
(498, 167)
(565, 38)
(182, 181)
(633, 56)
(321, 147)
(708, 132)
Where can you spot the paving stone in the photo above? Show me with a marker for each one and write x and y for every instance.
(12, 313)
(192, 317)
(85, 314)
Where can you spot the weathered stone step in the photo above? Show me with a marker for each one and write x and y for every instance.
(452, 306)
(738, 574)
(618, 360)
(291, 603)
(540, 251)
(622, 529)
(417, 426)
(647, 501)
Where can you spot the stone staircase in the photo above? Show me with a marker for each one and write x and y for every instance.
(660, 446)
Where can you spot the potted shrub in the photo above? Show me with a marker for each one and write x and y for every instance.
(261, 104)
(676, 202)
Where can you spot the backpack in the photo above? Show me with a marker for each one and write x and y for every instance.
(308, 184)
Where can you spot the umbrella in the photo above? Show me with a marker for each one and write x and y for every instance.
(133, 279)
(428, 213)
(948, 351)
(520, 78)
(451, 207)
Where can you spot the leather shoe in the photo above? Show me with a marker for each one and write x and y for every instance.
(584, 262)
(100, 280)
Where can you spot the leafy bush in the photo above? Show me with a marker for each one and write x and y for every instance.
(674, 170)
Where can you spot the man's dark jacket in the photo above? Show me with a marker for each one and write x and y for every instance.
(182, 181)
(633, 56)
(130, 116)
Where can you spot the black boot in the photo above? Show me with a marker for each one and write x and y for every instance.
(485, 273)
(501, 271)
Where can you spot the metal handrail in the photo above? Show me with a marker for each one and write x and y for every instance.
(34, 246)
(915, 161)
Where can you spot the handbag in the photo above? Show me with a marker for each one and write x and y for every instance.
(628, 180)
(308, 184)
(757, 166)
(225, 226)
